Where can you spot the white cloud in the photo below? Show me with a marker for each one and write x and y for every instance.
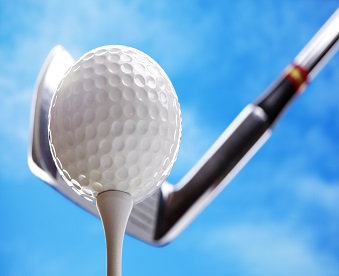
(34, 259)
(14, 132)
(268, 249)
(13, 120)
(315, 191)
(87, 25)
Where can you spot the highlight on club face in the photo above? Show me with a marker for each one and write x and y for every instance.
(114, 132)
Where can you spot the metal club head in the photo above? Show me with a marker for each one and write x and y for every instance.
(162, 216)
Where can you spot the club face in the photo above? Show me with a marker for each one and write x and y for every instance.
(143, 219)
(39, 156)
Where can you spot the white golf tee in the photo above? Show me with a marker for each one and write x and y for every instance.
(114, 208)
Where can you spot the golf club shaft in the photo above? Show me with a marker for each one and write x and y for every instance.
(321, 48)
(245, 135)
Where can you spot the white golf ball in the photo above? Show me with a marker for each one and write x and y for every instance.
(115, 123)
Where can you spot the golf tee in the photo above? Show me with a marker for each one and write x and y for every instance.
(114, 208)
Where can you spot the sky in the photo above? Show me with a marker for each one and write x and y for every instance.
(279, 215)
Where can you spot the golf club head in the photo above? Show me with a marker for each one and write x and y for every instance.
(167, 212)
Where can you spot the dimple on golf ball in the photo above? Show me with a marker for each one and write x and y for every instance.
(115, 123)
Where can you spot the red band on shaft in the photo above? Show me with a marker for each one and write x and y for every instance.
(298, 75)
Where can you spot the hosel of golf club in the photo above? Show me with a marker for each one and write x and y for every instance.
(114, 208)
(245, 135)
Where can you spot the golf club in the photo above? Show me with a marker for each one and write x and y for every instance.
(162, 217)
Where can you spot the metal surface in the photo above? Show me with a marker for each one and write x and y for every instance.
(211, 174)
(40, 158)
(162, 216)
(321, 48)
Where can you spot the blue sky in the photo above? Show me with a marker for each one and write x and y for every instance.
(279, 216)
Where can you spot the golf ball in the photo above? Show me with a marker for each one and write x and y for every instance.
(115, 123)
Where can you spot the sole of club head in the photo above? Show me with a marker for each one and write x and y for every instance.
(143, 220)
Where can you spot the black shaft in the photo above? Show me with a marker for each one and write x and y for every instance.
(277, 98)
